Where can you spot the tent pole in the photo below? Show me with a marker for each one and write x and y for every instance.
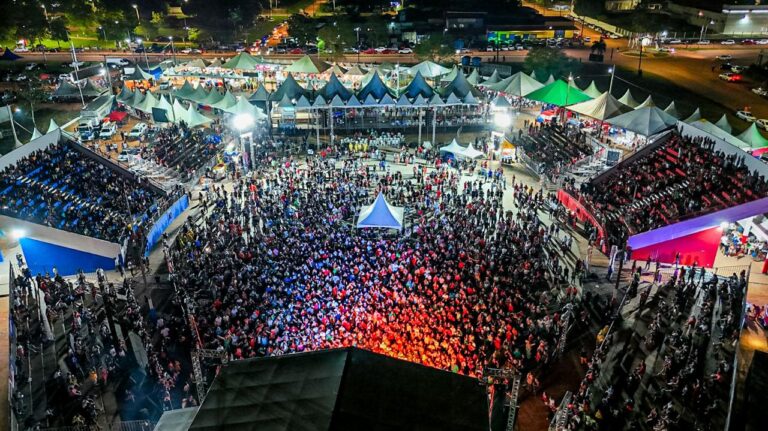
(16, 142)
(317, 128)
(419, 141)
(330, 111)
(434, 124)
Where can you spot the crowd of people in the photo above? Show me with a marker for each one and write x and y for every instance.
(552, 147)
(275, 266)
(679, 365)
(62, 188)
(681, 178)
(362, 141)
(182, 149)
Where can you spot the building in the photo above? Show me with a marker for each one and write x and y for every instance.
(729, 20)
(465, 21)
(540, 27)
(621, 5)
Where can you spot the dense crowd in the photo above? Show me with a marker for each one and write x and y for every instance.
(62, 188)
(275, 266)
(681, 178)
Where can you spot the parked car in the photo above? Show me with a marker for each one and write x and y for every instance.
(108, 130)
(675, 41)
(724, 57)
(748, 42)
(296, 51)
(762, 123)
(128, 154)
(704, 42)
(615, 36)
(380, 50)
(21, 77)
(21, 49)
(139, 130)
(405, 51)
(30, 66)
(761, 42)
(76, 64)
(369, 51)
(760, 91)
(738, 69)
(746, 116)
(730, 77)
(728, 42)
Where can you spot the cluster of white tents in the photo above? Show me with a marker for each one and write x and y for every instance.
(468, 152)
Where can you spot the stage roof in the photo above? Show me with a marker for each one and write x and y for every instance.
(340, 389)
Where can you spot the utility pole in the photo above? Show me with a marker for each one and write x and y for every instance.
(77, 72)
(613, 73)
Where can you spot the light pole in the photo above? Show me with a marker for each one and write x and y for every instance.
(357, 30)
(136, 8)
(613, 72)
(173, 51)
(45, 12)
(144, 48)
(103, 33)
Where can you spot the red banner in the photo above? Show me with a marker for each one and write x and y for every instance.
(580, 211)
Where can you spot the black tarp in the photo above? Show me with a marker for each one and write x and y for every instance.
(340, 389)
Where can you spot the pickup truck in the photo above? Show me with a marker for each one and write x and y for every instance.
(108, 130)
(87, 132)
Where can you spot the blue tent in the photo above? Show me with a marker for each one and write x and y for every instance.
(376, 87)
(334, 88)
(381, 214)
(417, 87)
(9, 55)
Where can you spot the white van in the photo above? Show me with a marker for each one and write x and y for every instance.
(117, 62)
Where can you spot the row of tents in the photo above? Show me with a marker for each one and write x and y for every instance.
(164, 107)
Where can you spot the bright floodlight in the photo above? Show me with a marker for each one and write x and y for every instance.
(242, 121)
(18, 233)
(502, 120)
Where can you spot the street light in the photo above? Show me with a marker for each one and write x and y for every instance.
(357, 30)
(45, 11)
(136, 8)
(103, 33)
(243, 123)
(173, 51)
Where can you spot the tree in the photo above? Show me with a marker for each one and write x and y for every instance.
(338, 34)
(435, 48)
(33, 93)
(302, 28)
(549, 61)
(31, 24)
(591, 8)
(377, 30)
(58, 30)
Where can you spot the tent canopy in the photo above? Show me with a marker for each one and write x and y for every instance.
(176, 420)
(474, 77)
(672, 110)
(428, 69)
(138, 75)
(724, 124)
(289, 88)
(715, 131)
(494, 78)
(418, 86)
(450, 76)
(592, 90)
(460, 87)
(753, 138)
(242, 61)
(628, 100)
(457, 150)
(308, 64)
(375, 87)
(354, 71)
(9, 55)
(260, 95)
(696, 116)
(644, 121)
(518, 84)
(558, 93)
(334, 88)
(197, 63)
(381, 214)
(603, 107)
(648, 103)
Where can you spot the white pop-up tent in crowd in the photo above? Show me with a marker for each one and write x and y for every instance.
(381, 214)
(457, 150)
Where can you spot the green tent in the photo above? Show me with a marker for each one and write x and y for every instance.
(308, 64)
(753, 138)
(474, 77)
(186, 91)
(558, 93)
(242, 61)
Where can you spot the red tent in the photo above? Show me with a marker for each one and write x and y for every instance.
(117, 116)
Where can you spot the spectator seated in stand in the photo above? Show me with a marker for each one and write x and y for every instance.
(182, 149)
(65, 189)
(554, 147)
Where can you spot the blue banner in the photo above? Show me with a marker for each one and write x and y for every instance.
(162, 223)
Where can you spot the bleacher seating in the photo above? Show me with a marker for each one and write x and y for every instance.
(183, 150)
(681, 179)
(553, 148)
(64, 189)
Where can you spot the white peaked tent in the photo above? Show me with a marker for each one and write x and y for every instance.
(644, 121)
(592, 90)
(149, 102)
(436, 100)
(550, 80)
(648, 103)
(671, 110)
(500, 102)
(319, 102)
(494, 78)
(35, 134)
(226, 102)
(387, 100)
(302, 103)
(354, 102)
(195, 118)
(474, 77)
(717, 132)
(52, 125)
(457, 150)
(450, 76)
(428, 69)
(628, 100)
(336, 102)
(724, 124)
(380, 214)
(419, 101)
(602, 107)
(403, 101)
(533, 75)
(243, 106)
(179, 112)
(370, 100)
(696, 116)
(518, 84)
